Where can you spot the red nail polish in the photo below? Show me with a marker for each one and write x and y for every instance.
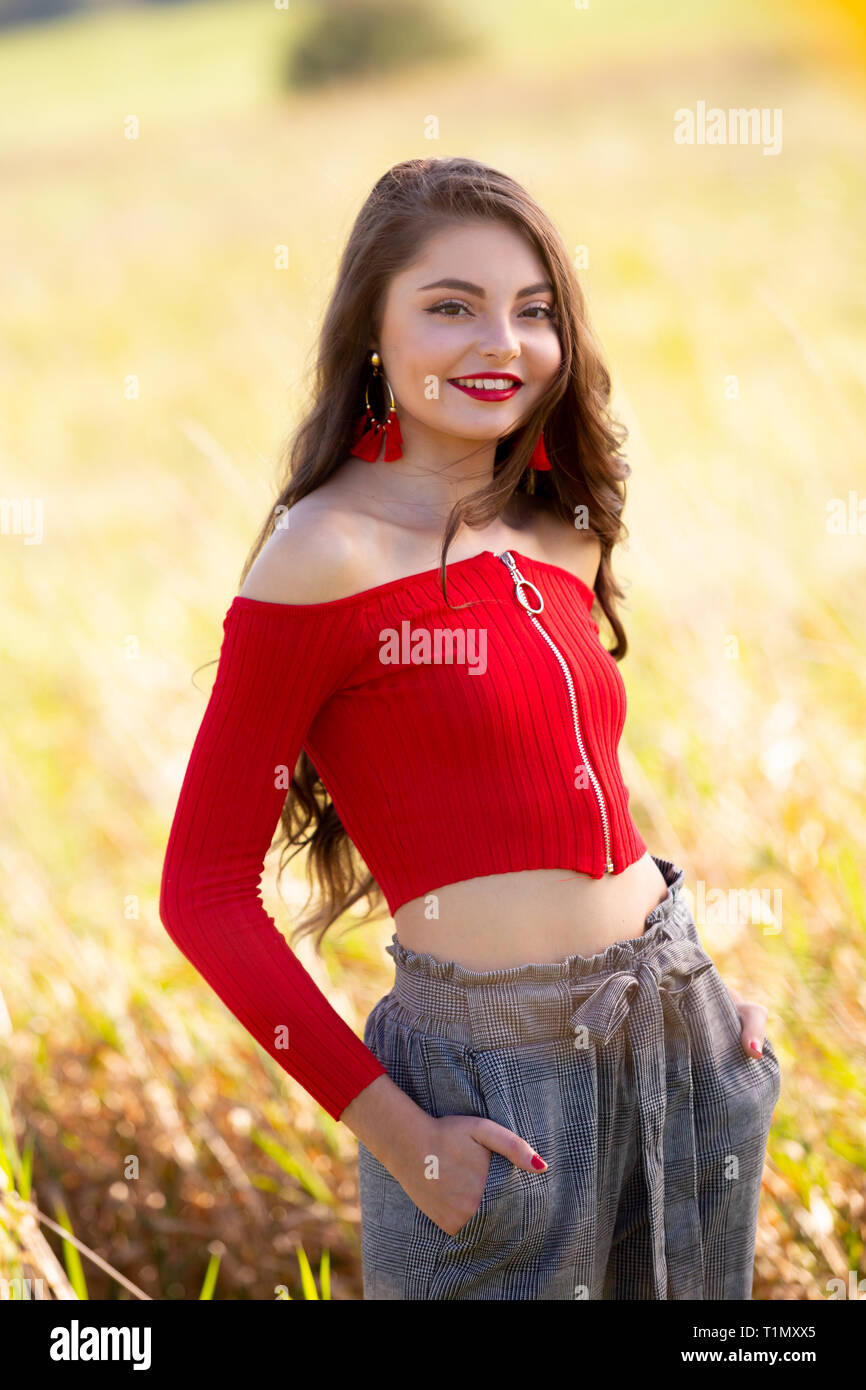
(538, 1163)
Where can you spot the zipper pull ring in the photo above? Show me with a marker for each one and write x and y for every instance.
(520, 584)
(525, 584)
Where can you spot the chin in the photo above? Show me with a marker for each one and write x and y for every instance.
(476, 430)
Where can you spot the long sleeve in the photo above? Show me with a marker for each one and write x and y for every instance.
(278, 665)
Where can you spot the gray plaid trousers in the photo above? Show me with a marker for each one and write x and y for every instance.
(625, 1071)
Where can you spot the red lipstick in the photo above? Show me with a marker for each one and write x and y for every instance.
(483, 393)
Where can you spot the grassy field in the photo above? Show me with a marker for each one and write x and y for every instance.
(724, 287)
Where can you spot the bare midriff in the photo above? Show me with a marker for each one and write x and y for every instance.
(530, 916)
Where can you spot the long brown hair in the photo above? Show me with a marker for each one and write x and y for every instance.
(411, 202)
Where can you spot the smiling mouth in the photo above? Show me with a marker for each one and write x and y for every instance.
(487, 388)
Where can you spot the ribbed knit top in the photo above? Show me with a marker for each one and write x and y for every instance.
(454, 743)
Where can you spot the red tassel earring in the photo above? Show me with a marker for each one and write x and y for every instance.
(538, 458)
(369, 433)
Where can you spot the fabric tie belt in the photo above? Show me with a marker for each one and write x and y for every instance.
(644, 997)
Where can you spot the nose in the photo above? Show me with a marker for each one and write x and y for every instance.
(498, 342)
(499, 356)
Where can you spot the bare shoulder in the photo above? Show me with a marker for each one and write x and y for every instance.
(315, 557)
(573, 549)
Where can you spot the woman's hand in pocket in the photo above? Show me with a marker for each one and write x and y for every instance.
(753, 1018)
(443, 1165)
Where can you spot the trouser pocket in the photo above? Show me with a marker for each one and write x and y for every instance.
(743, 1088)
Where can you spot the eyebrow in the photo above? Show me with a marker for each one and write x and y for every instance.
(467, 285)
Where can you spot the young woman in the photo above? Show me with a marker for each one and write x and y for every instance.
(558, 1098)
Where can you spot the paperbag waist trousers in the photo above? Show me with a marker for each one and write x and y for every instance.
(625, 1070)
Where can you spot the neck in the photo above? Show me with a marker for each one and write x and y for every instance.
(435, 471)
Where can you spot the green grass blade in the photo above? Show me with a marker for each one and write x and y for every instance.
(71, 1257)
(210, 1278)
(308, 1283)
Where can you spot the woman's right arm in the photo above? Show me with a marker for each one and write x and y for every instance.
(278, 664)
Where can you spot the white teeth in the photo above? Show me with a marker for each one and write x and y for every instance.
(486, 383)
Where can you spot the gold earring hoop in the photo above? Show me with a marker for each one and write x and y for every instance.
(376, 364)
(369, 432)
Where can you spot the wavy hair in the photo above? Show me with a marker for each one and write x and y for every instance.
(409, 204)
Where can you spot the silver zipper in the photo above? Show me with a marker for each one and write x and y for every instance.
(521, 585)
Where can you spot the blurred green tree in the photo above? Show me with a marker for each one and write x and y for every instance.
(355, 38)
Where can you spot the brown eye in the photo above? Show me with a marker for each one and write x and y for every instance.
(448, 304)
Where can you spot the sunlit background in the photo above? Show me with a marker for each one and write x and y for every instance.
(155, 353)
